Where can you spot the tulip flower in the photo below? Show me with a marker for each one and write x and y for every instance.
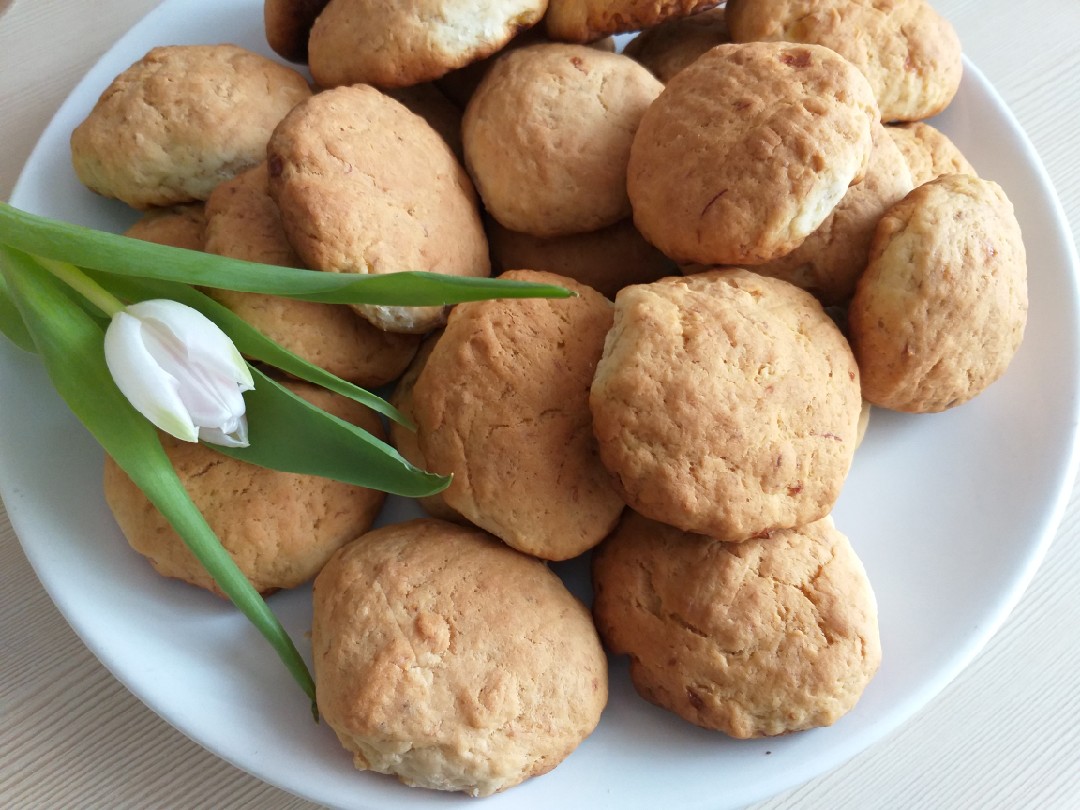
(180, 371)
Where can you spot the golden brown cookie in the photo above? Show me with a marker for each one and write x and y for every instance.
(606, 260)
(929, 152)
(672, 45)
(393, 44)
(405, 440)
(287, 24)
(909, 53)
(451, 661)
(756, 639)
(280, 528)
(243, 222)
(365, 186)
(547, 137)
(177, 226)
(726, 403)
(748, 150)
(502, 403)
(941, 309)
(181, 120)
(587, 20)
(831, 259)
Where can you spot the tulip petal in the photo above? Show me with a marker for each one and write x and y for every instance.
(234, 436)
(186, 362)
(203, 340)
(149, 388)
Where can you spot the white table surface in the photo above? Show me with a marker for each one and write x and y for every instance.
(1004, 734)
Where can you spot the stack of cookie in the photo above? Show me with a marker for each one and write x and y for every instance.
(763, 235)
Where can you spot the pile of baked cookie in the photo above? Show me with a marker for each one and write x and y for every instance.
(785, 239)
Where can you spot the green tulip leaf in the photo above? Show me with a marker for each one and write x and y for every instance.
(71, 346)
(123, 255)
(288, 433)
(11, 322)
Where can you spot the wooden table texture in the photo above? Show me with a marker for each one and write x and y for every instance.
(1004, 734)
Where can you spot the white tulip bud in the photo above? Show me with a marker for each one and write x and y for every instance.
(180, 371)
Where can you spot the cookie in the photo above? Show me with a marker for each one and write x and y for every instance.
(672, 45)
(831, 259)
(181, 120)
(451, 661)
(941, 309)
(365, 186)
(587, 20)
(547, 137)
(502, 404)
(177, 226)
(398, 44)
(287, 24)
(909, 53)
(606, 260)
(726, 403)
(242, 222)
(929, 152)
(748, 150)
(280, 528)
(405, 440)
(756, 639)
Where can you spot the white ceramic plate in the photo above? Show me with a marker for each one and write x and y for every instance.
(950, 513)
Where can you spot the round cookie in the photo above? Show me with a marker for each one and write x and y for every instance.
(393, 44)
(831, 259)
(365, 186)
(177, 226)
(181, 120)
(243, 222)
(280, 528)
(941, 309)
(587, 20)
(547, 137)
(761, 638)
(606, 260)
(909, 53)
(287, 24)
(451, 661)
(405, 440)
(672, 45)
(502, 404)
(748, 150)
(929, 152)
(726, 403)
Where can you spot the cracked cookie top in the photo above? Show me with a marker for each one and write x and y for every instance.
(748, 150)
(181, 120)
(451, 661)
(726, 403)
(547, 137)
(502, 404)
(366, 186)
(754, 639)
(942, 307)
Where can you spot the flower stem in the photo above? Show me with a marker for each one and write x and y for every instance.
(82, 284)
